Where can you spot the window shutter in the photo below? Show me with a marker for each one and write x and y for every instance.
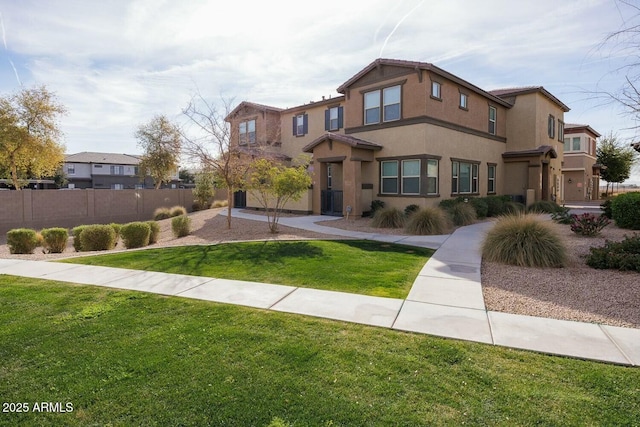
(340, 118)
(294, 126)
(326, 119)
(305, 124)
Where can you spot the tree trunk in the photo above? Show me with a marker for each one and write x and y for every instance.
(229, 205)
(14, 177)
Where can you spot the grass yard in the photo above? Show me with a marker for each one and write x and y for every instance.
(356, 266)
(124, 358)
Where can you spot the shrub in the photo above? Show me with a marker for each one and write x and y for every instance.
(496, 205)
(428, 221)
(181, 226)
(543, 206)
(22, 240)
(375, 205)
(462, 214)
(220, 204)
(388, 218)
(55, 239)
(624, 255)
(98, 237)
(411, 209)
(589, 224)
(481, 207)
(606, 208)
(161, 213)
(448, 203)
(562, 216)
(512, 208)
(177, 211)
(524, 241)
(116, 228)
(625, 209)
(155, 232)
(77, 242)
(135, 234)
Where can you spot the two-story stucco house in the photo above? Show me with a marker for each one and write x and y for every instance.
(409, 132)
(580, 170)
(106, 171)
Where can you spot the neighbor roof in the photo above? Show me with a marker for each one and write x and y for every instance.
(255, 106)
(421, 66)
(515, 91)
(578, 127)
(105, 158)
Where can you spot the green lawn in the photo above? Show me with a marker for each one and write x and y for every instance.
(126, 358)
(357, 266)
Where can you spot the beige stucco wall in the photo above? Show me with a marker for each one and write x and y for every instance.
(303, 205)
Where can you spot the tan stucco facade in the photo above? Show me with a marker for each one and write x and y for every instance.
(435, 124)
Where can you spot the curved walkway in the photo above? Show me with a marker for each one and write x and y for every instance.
(445, 300)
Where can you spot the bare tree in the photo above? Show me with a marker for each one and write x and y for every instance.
(208, 140)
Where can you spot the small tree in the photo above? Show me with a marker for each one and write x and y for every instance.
(161, 142)
(30, 144)
(205, 190)
(274, 184)
(616, 159)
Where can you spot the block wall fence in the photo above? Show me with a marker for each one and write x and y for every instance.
(68, 208)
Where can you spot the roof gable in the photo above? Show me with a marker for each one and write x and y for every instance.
(345, 139)
(514, 92)
(102, 158)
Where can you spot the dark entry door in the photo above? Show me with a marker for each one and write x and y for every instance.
(240, 199)
(331, 203)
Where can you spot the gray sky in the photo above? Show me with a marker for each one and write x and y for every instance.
(116, 63)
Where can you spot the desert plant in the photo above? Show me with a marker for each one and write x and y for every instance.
(511, 208)
(22, 240)
(524, 241)
(588, 224)
(55, 239)
(155, 231)
(220, 204)
(181, 226)
(480, 205)
(376, 205)
(496, 205)
(161, 213)
(116, 227)
(410, 209)
(623, 255)
(97, 237)
(563, 216)
(135, 234)
(428, 221)
(606, 208)
(177, 211)
(462, 214)
(388, 218)
(625, 209)
(543, 206)
(77, 242)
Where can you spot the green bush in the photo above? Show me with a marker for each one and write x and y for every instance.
(429, 221)
(462, 214)
(479, 204)
(511, 208)
(625, 209)
(135, 234)
(22, 240)
(97, 237)
(77, 242)
(544, 206)
(181, 226)
(563, 216)
(524, 241)
(155, 232)
(624, 255)
(161, 213)
(177, 211)
(606, 208)
(388, 218)
(55, 239)
(410, 209)
(116, 227)
(496, 205)
(588, 224)
(375, 205)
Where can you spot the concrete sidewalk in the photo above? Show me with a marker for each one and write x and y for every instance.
(445, 300)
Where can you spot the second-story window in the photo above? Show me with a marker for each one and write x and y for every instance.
(247, 132)
(463, 101)
(333, 118)
(71, 169)
(300, 125)
(117, 170)
(560, 130)
(389, 98)
(436, 89)
(551, 126)
(493, 113)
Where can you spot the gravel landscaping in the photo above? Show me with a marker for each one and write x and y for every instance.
(576, 292)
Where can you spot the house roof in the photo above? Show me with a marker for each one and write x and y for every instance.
(515, 91)
(577, 128)
(252, 105)
(415, 65)
(542, 150)
(105, 158)
(345, 139)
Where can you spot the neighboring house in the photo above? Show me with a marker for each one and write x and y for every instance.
(580, 170)
(107, 170)
(409, 132)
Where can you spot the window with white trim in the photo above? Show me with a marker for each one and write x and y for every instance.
(117, 170)
(411, 177)
(493, 113)
(71, 169)
(464, 177)
(389, 177)
(436, 89)
(247, 132)
(389, 98)
(391, 103)
(117, 186)
(464, 99)
(491, 178)
(333, 118)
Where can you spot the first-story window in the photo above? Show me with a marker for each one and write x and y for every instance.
(464, 177)
(117, 186)
(389, 177)
(432, 176)
(411, 177)
(491, 178)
